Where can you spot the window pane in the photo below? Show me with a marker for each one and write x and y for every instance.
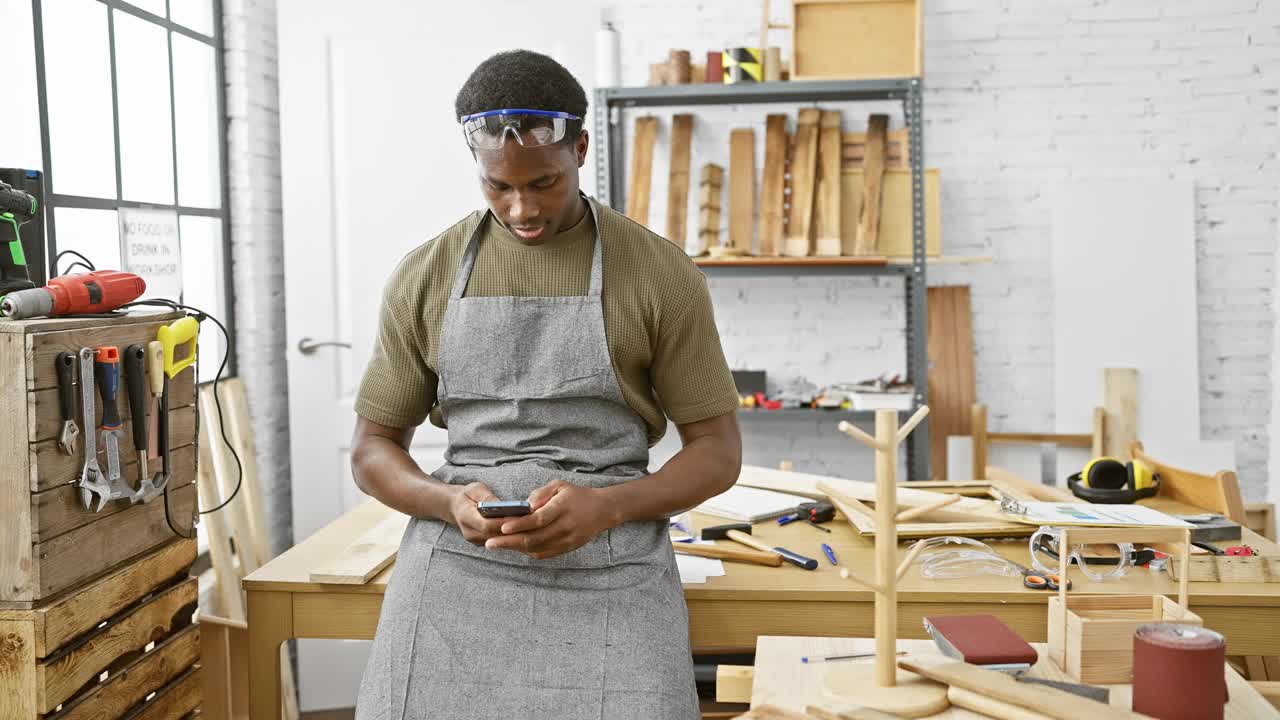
(155, 7)
(142, 88)
(195, 14)
(195, 90)
(78, 83)
(203, 277)
(92, 233)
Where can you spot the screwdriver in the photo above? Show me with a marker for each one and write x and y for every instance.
(155, 374)
(135, 379)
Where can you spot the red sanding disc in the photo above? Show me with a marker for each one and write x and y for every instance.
(1178, 672)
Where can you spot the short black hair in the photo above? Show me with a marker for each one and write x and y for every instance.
(520, 79)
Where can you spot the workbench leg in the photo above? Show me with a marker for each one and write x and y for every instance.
(270, 624)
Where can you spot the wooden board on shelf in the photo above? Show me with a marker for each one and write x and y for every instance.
(872, 261)
(951, 374)
(867, 240)
(827, 196)
(853, 149)
(856, 39)
(772, 185)
(804, 160)
(709, 191)
(895, 213)
(641, 169)
(678, 178)
(742, 179)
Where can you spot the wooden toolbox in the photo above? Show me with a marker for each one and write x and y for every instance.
(49, 542)
(123, 646)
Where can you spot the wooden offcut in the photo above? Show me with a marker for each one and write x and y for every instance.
(873, 172)
(366, 557)
(895, 238)
(856, 39)
(772, 185)
(853, 149)
(679, 70)
(678, 179)
(951, 373)
(804, 161)
(709, 192)
(641, 169)
(742, 177)
(827, 193)
(1121, 403)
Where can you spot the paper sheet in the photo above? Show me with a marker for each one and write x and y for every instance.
(1052, 513)
(695, 570)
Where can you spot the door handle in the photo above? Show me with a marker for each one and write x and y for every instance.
(307, 346)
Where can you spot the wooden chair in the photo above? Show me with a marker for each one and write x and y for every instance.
(982, 439)
(1218, 493)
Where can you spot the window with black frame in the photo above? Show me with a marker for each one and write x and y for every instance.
(133, 125)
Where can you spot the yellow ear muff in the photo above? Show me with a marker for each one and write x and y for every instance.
(1104, 473)
(1143, 477)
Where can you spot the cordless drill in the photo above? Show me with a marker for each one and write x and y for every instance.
(16, 209)
(95, 292)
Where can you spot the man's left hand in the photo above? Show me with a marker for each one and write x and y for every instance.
(565, 517)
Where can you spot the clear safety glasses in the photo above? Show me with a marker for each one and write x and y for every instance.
(1046, 546)
(531, 128)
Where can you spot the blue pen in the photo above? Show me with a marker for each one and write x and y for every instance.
(831, 554)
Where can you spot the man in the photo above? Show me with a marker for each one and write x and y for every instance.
(553, 337)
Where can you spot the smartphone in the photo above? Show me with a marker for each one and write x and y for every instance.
(503, 508)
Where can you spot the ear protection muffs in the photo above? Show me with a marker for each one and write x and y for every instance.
(1108, 481)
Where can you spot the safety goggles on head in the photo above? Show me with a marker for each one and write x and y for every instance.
(531, 128)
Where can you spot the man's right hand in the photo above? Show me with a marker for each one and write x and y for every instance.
(475, 528)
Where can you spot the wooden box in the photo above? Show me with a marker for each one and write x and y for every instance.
(125, 645)
(48, 541)
(1098, 647)
(856, 39)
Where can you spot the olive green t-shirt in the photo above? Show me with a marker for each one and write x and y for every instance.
(658, 318)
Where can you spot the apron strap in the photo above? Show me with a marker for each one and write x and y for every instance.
(463, 275)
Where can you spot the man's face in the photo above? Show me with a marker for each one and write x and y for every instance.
(533, 191)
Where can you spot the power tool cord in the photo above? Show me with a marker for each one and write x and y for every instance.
(83, 262)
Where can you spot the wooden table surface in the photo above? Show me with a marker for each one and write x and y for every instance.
(782, 680)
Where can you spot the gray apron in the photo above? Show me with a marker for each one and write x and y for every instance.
(529, 395)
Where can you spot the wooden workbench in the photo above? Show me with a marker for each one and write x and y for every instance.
(728, 613)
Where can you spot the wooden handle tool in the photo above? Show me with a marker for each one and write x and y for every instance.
(794, 558)
(722, 552)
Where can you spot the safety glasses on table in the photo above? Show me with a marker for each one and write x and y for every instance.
(531, 128)
(1046, 543)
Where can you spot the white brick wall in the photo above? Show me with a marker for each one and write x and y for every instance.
(249, 32)
(1020, 93)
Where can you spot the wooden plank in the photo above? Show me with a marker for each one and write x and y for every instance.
(1121, 402)
(81, 611)
(76, 556)
(176, 701)
(154, 671)
(132, 316)
(228, 478)
(772, 185)
(733, 683)
(791, 261)
(60, 510)
(17, 566)
(1261, 518)
(1219, 493)
(218, 533)
(1051, 701)
(17, 659)
(1060, 439)
(367, 556)
(235, 403)
(50, 467)
(869, 221)
(826, 204)
(952, 388)
(895, 213)
(217, 670)
(709, 191)
(65, 673)
(853, 149)
(978, 431)
(45, 417)
(742, 179)
(44, 347)
(804, 160)
(641, 169)
(678, 178)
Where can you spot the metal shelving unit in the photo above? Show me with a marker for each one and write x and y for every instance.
(611, 183)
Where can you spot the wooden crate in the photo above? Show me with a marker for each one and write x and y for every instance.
(1099, 640)
(48, 541)
(856, 39)
(124, 645)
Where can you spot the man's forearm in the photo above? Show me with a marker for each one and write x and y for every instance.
(704, 467)
(385, 471)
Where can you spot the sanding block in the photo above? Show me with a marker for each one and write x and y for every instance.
(981, 640)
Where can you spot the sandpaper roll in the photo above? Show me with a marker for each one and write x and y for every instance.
(1178, 672)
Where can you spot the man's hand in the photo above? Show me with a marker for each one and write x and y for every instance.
(565, 517)
(462, 509)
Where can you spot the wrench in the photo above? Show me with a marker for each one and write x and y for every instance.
(66, 366)
(107, 364)
(91, 482)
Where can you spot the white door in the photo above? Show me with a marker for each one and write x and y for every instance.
(373, 164)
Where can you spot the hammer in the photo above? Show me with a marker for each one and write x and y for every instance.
(741, 532)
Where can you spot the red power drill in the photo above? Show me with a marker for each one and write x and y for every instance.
(100, 291)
